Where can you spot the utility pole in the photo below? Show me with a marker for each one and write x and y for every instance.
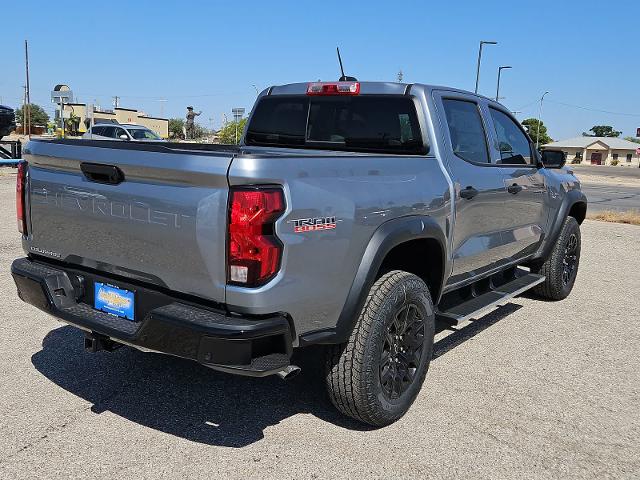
(162, 102)
(400, 76)
(540, 121)
(482, 43)
(116, 101)
(498, 87)
(27, 114)
(24, 110)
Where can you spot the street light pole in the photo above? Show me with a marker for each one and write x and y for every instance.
(482, 43)
(540, 120)
(498, 87)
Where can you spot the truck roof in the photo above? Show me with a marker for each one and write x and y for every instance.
(371, 88)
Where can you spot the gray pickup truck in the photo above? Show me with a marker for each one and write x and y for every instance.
(353, 215)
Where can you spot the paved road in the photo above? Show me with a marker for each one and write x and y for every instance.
(612, 197)
(610, 188)
(607, 171)
(533, 390)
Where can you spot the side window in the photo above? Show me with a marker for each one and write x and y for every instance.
(107, 131)
(513, 143)
(118, 132)
(97, 130)
(468, 138)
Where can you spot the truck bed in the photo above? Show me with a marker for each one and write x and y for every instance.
(163, 224)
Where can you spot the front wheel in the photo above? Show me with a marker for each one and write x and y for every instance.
(561, 267)
(377, 374)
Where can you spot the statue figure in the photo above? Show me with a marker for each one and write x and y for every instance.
(190, 125)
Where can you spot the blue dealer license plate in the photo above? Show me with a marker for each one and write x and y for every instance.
(113, 300)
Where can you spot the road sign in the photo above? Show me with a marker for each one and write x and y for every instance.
(638, 132)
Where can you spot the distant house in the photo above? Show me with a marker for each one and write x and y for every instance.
(598, 150)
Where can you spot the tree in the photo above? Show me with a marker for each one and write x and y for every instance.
(228, 133)
(199, 131)
(632, 139)
(175, 127)
(531, 124)
(38, 115)
(602, 131)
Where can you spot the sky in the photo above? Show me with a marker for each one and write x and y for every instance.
(213, 55)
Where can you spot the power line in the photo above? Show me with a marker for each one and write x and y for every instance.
(595, 109)
(164, 97)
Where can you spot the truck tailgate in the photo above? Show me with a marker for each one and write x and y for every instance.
(164, 224)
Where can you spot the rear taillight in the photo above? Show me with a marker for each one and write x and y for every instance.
(333, 88)
(254, 250)
(21, 211)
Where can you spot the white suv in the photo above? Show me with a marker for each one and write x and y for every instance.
(125, 132)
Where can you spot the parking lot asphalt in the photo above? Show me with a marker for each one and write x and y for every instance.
(533, 390)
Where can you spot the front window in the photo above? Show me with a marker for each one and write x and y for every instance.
(143, 134)
(515, 148)
(364, 123)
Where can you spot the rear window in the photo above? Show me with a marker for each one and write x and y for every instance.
(364, 123)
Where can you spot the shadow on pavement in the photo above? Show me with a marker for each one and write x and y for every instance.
(188, 400)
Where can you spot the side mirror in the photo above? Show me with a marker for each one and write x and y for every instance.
(124, 137)
(553, 158)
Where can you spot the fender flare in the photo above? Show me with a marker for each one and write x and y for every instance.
(388, 235)
(570, 199)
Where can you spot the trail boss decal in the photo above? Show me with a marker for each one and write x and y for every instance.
(313, 224)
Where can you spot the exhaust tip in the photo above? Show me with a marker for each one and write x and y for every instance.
(289, 372)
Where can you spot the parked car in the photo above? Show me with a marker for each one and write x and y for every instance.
(122, 131)
(7, 121)
(352, 216)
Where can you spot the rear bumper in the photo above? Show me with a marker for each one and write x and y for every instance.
(247, 346)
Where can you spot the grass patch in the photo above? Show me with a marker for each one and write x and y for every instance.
(630, 217)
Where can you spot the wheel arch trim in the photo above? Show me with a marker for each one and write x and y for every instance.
(388, 236)
(571, 199)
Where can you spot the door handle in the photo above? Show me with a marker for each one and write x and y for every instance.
(468, 193)
(515, 188)
(99, 173)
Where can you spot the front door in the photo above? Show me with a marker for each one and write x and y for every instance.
(596, 158)
(525, 184)
(480, 191)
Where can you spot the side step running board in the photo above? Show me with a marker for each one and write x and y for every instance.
(475, 305)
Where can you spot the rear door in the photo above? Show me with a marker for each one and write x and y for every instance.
(164, 224)
(525, 209)
(480, 222)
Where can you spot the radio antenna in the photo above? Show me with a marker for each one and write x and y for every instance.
(340, 60)
(344, 78)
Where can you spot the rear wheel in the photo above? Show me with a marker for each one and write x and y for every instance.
(561, 267)
(377, 374)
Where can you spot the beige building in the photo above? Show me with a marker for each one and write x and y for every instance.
(118, 115)
(598, 150)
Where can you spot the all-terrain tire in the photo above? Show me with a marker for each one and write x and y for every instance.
(561, 267)
(358, 373)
